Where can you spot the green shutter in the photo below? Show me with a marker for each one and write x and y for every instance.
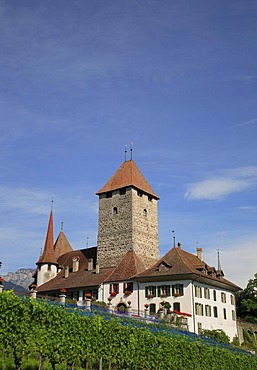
(146, 292)
(168, 290)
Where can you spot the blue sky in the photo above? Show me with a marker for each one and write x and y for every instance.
(80, 79)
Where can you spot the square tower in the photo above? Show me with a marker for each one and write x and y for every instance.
(128, 218)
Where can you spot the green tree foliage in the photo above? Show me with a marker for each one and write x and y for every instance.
(217, 334)
(247, 301)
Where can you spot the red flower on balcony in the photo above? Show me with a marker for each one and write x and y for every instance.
(113, 294)
(63, 290)
(146, 305)
(88, 295)
(1, 280)
(127, 292)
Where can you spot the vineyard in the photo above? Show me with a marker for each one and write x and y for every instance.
(59, 337)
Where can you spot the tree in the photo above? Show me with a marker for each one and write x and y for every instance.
(247, 301)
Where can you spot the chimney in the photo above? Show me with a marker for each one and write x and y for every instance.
(199, 253)
(97, 269)
(66, 272)
(75, 264)
(90, 264)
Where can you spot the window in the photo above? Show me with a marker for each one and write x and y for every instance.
(207, 310)
(199, 309)
(198, 291)
(139, 193)
(152, 308)
(233, 315)
(224, 313)
(115, 210)
(123, 191)
(232, 300)
(150, 291)
(114, 288)
(150, 198)
(49, 267)
(215, 311)
(223, 297)
(176, 306)
(109, 194)
(177, 290)
(214, 295)
(207, 293)
(128, 287)
(145, 212)
(164, 291)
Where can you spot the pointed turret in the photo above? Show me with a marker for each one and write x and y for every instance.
(47, 263)
(48, 255)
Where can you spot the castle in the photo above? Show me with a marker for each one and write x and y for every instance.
(125, 267)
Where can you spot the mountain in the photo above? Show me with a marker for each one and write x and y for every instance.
(20, 278)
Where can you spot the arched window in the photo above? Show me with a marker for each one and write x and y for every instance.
(115, 210)
(145, 212)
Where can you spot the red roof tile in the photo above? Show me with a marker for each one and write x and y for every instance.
(79, 279)
(62, 245)
(128, 174)
(129, 266)
(180, 262)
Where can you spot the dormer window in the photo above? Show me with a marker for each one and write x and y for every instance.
(139, 193)
(150, 198)
(109, 194)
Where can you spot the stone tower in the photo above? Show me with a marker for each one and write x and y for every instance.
(128, 218)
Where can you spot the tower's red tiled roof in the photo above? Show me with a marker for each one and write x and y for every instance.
(128, 174)
(62, 245)
(48, 255)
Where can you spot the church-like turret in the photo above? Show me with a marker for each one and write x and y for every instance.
(47, 263)
(128, 218)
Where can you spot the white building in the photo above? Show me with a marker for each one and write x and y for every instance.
(125, 270)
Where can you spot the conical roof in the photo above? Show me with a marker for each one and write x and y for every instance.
(48, 255)
(62, 245)
(128, 174)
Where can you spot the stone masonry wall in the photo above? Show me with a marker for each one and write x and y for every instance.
(127, 222)
(145, 227)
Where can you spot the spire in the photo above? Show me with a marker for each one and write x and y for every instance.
(219, 264)
(48, 255)
(219, 273)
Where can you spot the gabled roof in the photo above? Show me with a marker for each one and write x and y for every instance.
(62, 245)
(48, 255)
(179, 263)
(128, 174)
(129, 266)
(79, 279)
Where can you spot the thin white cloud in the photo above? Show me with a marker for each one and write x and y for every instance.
(227, 182)
(245, 123)
(247, 208)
